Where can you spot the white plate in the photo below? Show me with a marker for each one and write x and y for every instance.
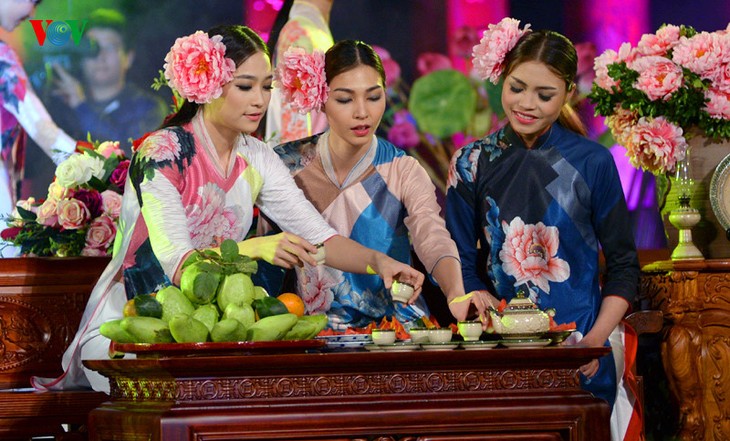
(395, 347)
(524, 336)
(439, 346)
(720, 192)
(527, 343)
(469, 345)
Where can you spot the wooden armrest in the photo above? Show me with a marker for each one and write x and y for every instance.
(646, 321)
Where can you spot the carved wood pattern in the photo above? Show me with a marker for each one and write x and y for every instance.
(696, 348)
(292, 387)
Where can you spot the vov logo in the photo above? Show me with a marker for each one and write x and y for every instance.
(58, 32)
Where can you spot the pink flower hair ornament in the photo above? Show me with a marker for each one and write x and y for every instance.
(197, 68)
(302, 79)
(497, 41)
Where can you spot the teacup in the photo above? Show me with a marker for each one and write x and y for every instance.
(401, 291)
(439, 335)
(419, 335)
(471, 331)
(383, 336)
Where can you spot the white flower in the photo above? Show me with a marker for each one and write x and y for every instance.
(73, 172)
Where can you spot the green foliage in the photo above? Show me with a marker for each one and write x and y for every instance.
(443, 102)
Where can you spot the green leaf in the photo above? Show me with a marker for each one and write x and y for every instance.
(494, 96)
(26, 215)
(443, 102)
(97, 184)
(229, 250)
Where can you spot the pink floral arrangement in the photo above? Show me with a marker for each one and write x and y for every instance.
(673, 84)
(496, 42)
(197, 68)
(80, 214)
(302, 79)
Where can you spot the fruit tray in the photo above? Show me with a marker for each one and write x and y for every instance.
(166, 350)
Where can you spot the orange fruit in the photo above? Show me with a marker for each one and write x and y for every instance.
(294, 304)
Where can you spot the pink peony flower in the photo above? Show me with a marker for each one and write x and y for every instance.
(718, 105)
(658, 44)
(721, 77)
(101, 232)
(701, 54)
(610, 56)
(621, 123)
(430, 61)
(392, 72)
(72, 214)
(404, 135)
(160, 146)
(119, 175)
(317, 287)
(496, 42)
(302, 79)
(656, 145)
(111, 203)
(463, 41)
(47, 214)
(658, 78)
(210, 221)
(196, 67)
(529, 254)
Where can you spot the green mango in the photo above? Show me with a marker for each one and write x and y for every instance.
(301, 330)
(147, 306)
(320, 321)
(259, 292)
(228, 330)
(186, 329)
(235, 289)
(243, 313)
(207, 314)
(147, 329)
(199, 282)
(173, 303)
(271, 328)
(114, 332)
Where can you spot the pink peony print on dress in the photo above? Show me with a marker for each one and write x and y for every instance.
(529, 254)
(210, 221)
(160, 146)
(316, 285)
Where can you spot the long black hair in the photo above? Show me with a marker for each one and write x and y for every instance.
(556, 52)
(241, 42)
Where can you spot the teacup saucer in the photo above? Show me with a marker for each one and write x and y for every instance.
(527, 343)
(397, 346)
(469, 345)
(446, 346)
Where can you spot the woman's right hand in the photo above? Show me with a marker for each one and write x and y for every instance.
(286, 250)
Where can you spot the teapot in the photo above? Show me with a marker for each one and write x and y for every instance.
(520, 317)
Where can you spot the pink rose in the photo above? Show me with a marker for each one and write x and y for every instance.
(101, 233)
(302, 79)
(529, 254)
(197, 68)
(111, 203)
(47, 214)
(656, 145)
(658, 78)
(404, 135)
(108, 149)
(72, 214)
(497, 41)
(119, 175)
(430, 61)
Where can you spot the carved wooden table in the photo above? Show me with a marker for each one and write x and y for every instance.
(41, 303)
(498, 394)
(695, 300)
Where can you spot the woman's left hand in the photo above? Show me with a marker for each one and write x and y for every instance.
(590, 369)
(390, 269)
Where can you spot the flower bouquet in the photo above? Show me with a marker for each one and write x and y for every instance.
(80, 214)
(673, 84)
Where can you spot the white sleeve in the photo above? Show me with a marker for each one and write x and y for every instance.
(281, 199)
(164, 215)
(33, 116)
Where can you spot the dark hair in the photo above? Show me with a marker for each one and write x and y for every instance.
(348, 54)
(558, 54)
(281, 18)
(241, 42)
(106, 18)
